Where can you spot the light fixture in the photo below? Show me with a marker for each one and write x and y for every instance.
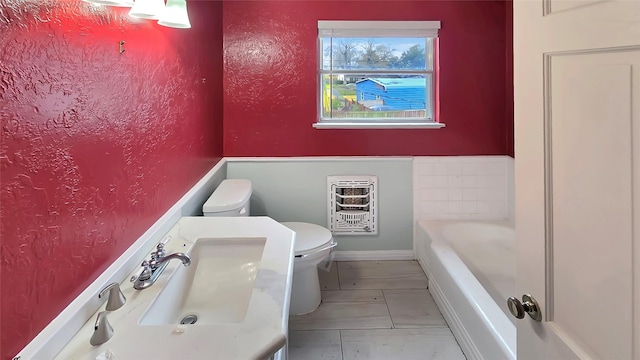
(147, 9)
(175, 15)
(122, 3)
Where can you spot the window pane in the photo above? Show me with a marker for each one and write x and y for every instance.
(377, 53)
(376, 96)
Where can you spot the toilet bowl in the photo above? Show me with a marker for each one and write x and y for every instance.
(313, 243)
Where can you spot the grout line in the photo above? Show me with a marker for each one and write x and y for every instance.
(341, 345)
(393, 325)
(362, 328)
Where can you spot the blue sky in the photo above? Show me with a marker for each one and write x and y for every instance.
(397, 45)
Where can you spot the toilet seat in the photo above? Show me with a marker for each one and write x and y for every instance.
(309, 237)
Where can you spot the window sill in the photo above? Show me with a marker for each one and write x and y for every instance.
(377, 125)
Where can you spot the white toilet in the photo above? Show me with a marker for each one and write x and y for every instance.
(313, 244)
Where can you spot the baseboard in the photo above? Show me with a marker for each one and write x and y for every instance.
(374, 255)
(459, 332)
(425, 267)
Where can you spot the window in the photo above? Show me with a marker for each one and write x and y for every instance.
(377, 74)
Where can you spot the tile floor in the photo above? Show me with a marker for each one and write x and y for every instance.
(373, 310)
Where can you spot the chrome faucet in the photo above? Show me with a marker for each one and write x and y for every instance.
(186, 261)
(151, 270)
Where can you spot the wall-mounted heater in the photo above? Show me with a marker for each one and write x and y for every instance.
(352, 206)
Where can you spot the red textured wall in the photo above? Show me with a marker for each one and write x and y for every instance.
(509, 78)
(96, 146)
(270, 80)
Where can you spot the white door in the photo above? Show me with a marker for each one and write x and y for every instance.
(577, 140)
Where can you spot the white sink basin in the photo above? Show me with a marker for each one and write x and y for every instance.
(214, 289)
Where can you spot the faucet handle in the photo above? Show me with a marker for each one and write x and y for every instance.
(135, 276)
(116, 297)
(159, 253)
(143, 273)
(146, 272)
(102, 330)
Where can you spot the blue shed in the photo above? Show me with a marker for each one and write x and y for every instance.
(394, 93)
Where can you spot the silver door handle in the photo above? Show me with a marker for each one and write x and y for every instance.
(528, 305)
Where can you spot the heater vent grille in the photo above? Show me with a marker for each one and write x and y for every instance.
(352, 205)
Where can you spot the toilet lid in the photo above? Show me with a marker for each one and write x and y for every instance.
(308, 236)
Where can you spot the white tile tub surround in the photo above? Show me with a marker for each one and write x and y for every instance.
(461, 187)
(511, 199)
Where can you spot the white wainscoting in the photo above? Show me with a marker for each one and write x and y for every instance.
(461, 187)
(511, 199)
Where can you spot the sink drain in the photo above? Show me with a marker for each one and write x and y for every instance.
(189, 319)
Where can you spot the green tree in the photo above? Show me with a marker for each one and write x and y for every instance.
(414, 58)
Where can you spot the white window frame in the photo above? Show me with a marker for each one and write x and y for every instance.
(369, 29)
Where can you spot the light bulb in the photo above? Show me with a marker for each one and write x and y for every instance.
(122, 3)
(175, 15)
(147, 9)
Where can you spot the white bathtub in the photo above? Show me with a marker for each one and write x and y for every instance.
(471, 271)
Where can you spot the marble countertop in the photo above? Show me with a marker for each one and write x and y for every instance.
(261, 333)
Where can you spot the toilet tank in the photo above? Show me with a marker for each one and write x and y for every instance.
(230, 198)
